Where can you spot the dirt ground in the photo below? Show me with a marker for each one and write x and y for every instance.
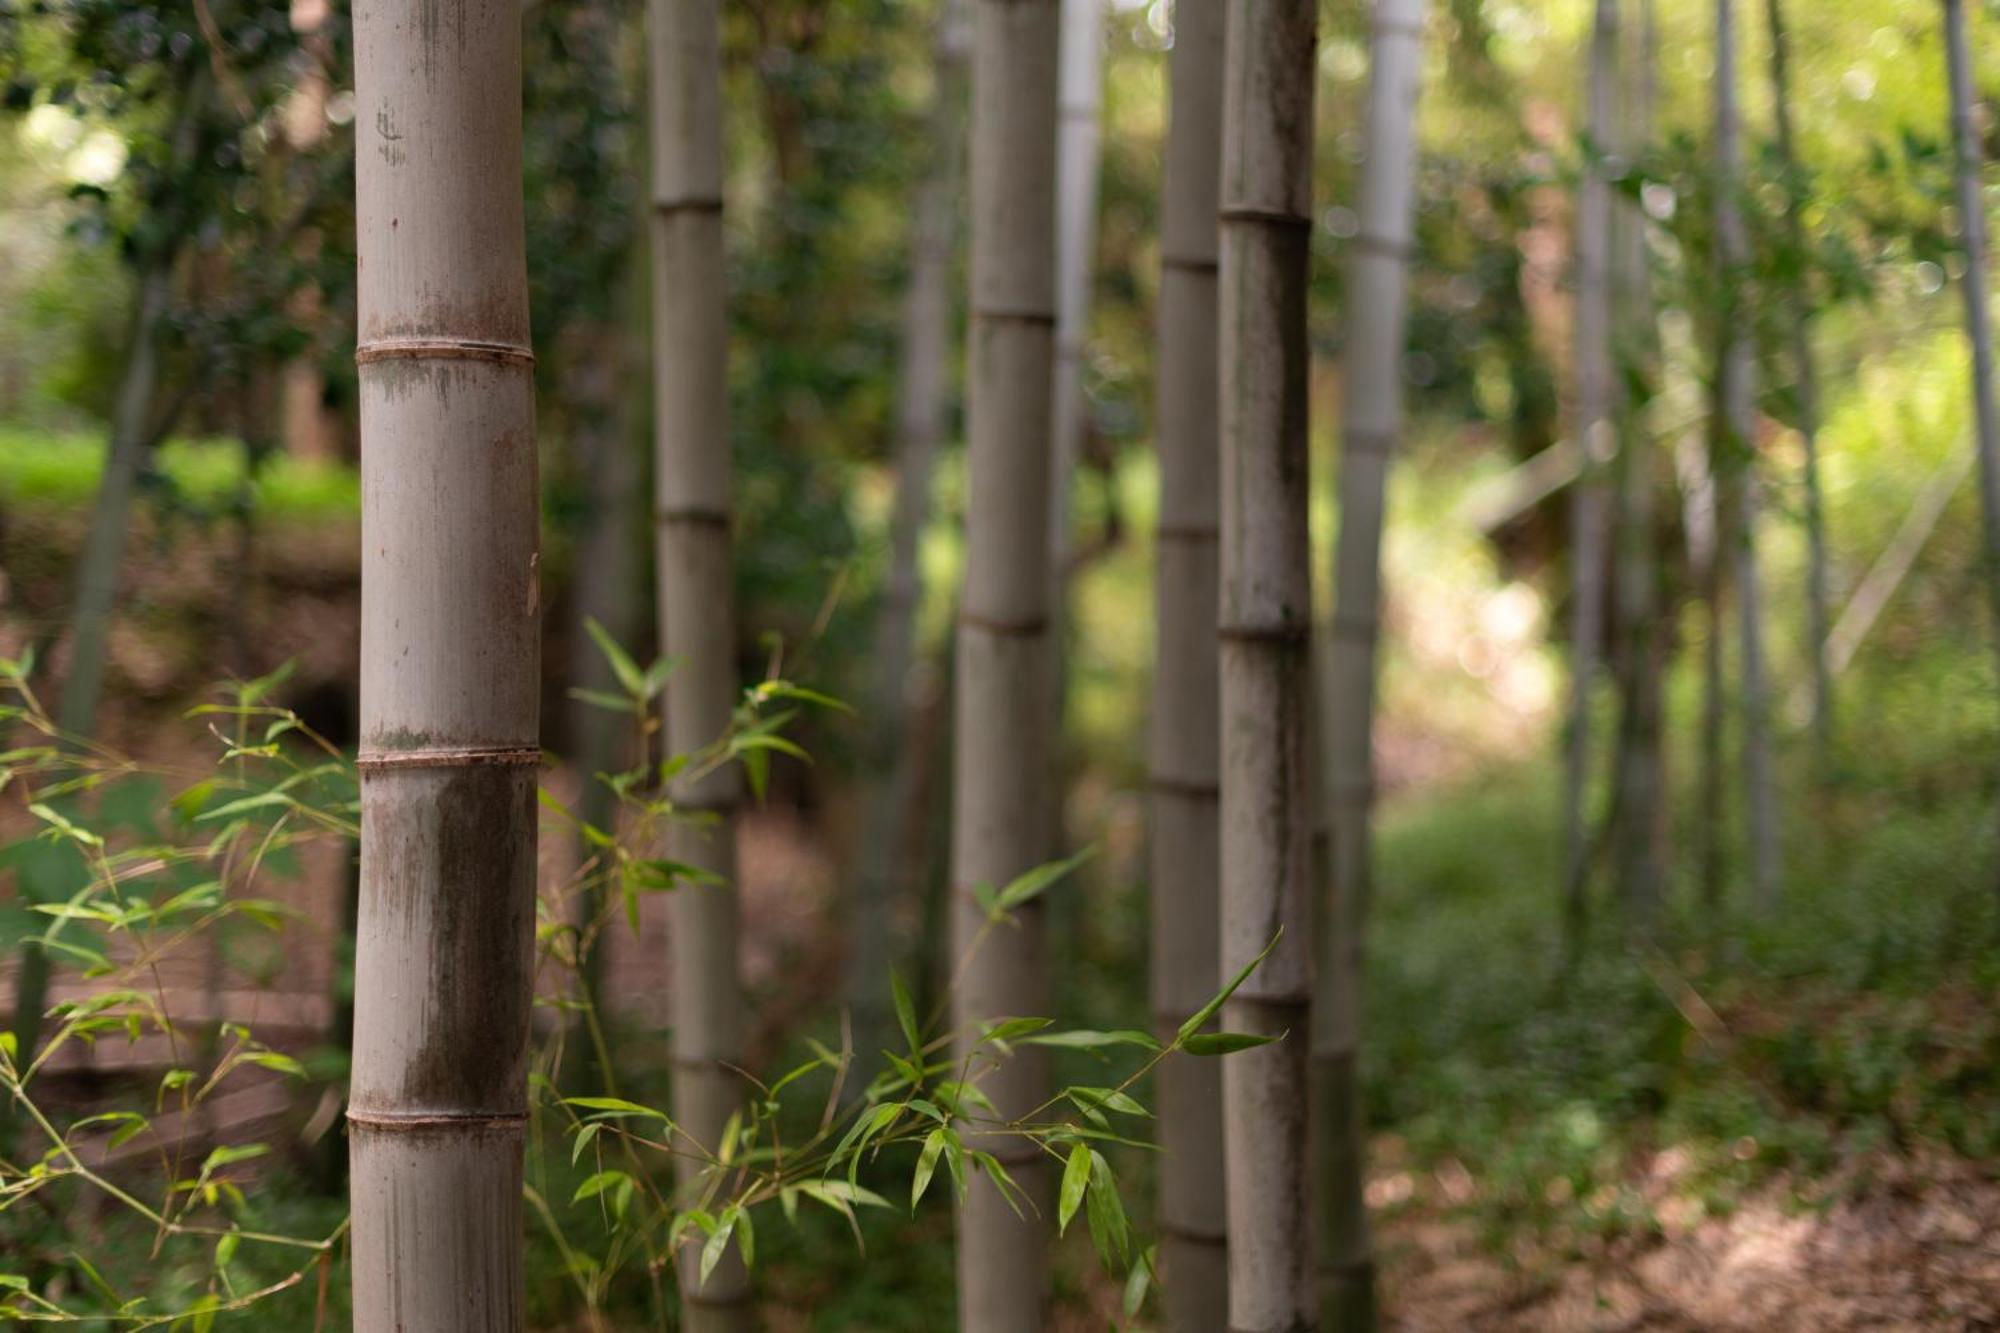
(1919, 1249)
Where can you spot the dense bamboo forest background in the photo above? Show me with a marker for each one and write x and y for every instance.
(1197, 665)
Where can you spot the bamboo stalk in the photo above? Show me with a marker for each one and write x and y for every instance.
(1371, 426)
(1183, 761)
(885, 874)
(1736, 442)
(1593, 427)
(1080, 81)
(1978, 323)
(1263, 632)
(1639, 807)
(1818, 615)
(1002, 761)
(450, 678)
(696, 619)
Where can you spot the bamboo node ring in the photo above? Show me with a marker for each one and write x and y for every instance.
(442, 349)
(463, 756)
(1268, 216)
(439, 1120)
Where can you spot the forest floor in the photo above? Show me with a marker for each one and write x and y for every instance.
(1917, 1249)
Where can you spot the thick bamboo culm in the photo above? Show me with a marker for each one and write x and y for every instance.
(1003, 753)
(1184, 759)
(1737, 471)
(1263, 633)
(1371, 425)
(692, 550)
(450, 672)
(1591, 423)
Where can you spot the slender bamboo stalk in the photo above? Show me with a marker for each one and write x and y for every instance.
(1641, 777)
(1978, 323)
(1371, 425)
(1818, 614)
(1003, 750)
(1186, 721)
(885, 873)
(1081, 94)
(1735, 381)
(1593, 427)
(450, 671)
(1263, 632)
(696, 619)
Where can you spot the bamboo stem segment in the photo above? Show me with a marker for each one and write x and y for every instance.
(1002, 760)
(1184, 761)
(1263, 631)
(1978, 322)
(1371, 425)
(1592, 425)
(1737, 473)
(450, 673)
(696, 619)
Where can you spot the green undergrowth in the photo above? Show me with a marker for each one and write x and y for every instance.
(1643, 1085)
(60, 471)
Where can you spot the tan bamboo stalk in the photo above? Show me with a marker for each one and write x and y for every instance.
(1003, 750)
(696, 620)
(1371, 424)
(450, 671)
(1080, 95)
(922, 406)
(1263, 633)
(1186, 721)
(1978, 323)
(1637, 847)
(1593, 426)
(1818, 614)
(1735, 374)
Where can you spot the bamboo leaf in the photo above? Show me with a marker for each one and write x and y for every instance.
(614, 1107)
(906, 1012)
(1075, 1181)
(1224, 1043)
(927, 1161)
(1138, 1282)
(596, 1184)
(1025, 888)
(718, 1240)
(1200, 1017)
(622, 666)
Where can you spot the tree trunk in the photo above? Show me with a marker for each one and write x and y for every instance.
(1978, 325)
(1592, 426)
(1736, 439)
(1003, 750)
(1637, 851)
(450, 672)
(884, 875)
(1079, 96)
(692, 486)
(104, 544)
(1186, 723)
(1371, 425)
(1818, 616)
(1264, 631)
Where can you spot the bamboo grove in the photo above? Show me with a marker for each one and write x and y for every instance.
(1270, 620)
